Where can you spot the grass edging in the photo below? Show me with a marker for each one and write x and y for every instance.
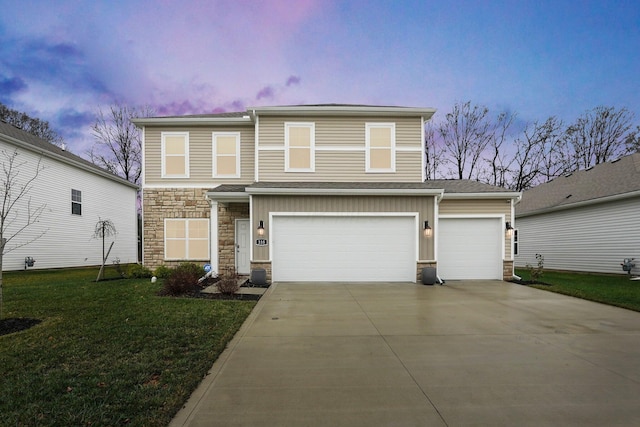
(611, 289)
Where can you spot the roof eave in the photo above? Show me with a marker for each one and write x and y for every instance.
(346, 191)
(583, 203)
(197, 121)
(331, 110)
(493, 195)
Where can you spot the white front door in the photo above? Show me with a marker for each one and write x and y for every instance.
(243, 246)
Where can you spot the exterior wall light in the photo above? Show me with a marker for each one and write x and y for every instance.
(261, 228)
(427, 230)
(508, 229)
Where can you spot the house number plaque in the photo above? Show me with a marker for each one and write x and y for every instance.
(261, 242)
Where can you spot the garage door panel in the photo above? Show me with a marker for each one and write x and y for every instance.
(470, 248)
(327, 248)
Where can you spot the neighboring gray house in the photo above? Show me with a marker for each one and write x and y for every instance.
(75, 194)
(585, 221)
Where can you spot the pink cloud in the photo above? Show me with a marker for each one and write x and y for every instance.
(265, 92)
(293, 80)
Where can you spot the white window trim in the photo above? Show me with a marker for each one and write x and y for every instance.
(215, 173)
(186, 239)
(186, 154)
(312, 146)
(368, 127)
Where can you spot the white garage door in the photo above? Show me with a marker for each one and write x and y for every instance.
(340, 248)
(470, 248)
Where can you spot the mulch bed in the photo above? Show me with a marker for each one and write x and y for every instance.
(16, 324)
(529, 282)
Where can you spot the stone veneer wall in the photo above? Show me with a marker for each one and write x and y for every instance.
(227, 215)
(507, 270)
(419, 267)
(262, 264)
(158, 204)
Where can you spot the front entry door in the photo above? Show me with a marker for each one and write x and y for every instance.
(243, 246)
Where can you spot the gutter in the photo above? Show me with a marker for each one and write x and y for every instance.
(506, 195)
(163, 121)
(346, 191)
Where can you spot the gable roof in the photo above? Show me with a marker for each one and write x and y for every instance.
(15, 136)
(616, 179)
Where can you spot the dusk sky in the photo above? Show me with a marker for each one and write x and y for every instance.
(62, 60)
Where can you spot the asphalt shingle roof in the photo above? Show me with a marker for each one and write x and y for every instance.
(606, 179)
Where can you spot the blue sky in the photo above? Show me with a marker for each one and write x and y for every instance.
(62, 60)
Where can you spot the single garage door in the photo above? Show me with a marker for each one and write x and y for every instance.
(344, 248)
(470, 248)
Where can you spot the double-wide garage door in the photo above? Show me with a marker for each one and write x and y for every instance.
(344, 248)
(470, 248)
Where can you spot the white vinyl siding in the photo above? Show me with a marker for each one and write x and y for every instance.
(592, 238)
(186, 239)
(299, 147)
(380, 143)
(226, 154)
(60, 239)
(175, 155)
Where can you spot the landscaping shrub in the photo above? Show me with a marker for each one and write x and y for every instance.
(535, 273)
(162, 272)
(137, 271)
(228, 282)
(183, 280)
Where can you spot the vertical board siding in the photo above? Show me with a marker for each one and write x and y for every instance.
(200, 156)
(472, 207)
(262, 206)
(68, 239)
(333, 164)
(592, 238)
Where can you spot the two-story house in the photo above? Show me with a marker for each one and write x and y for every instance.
(316, 193)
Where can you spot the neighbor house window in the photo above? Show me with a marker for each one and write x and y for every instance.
(515, 241)
(226, 155)
(186, 239)
(299, 147)
(76, 202)
(175, 154)
(380, 143)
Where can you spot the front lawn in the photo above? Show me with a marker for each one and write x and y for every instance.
(108, 353)
(615, 290)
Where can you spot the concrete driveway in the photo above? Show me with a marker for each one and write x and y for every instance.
(467, 353)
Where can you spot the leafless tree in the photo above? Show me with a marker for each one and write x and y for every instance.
(34, 126)
(433, 153)
(497, 158)
(465, 133)
(118, 146)
(16, 216)
(600, 135)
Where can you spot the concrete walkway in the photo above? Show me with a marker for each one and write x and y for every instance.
(467, 353)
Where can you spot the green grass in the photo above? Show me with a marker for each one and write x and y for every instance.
(615, 290)
(108, 353)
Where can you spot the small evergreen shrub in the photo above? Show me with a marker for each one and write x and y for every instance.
(137, 271)
(183, 280)
(162, 272)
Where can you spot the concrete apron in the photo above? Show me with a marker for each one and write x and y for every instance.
(467, 353)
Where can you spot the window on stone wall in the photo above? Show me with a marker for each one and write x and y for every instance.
(186, 239)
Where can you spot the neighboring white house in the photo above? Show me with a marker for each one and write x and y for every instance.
(585, 221)
(75, 194)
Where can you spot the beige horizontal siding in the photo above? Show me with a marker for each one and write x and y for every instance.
(263, 205)
(200, 156)
(480, 207)
(334, 164)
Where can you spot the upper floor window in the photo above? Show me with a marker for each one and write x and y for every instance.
(76, 202)
(186, 239)
(226, 155)
(175, 154)
(380, 147)
(299, 147)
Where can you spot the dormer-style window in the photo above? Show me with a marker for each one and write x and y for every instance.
(226, 154)
(299, 147)
(175, 154)
(380, 147)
